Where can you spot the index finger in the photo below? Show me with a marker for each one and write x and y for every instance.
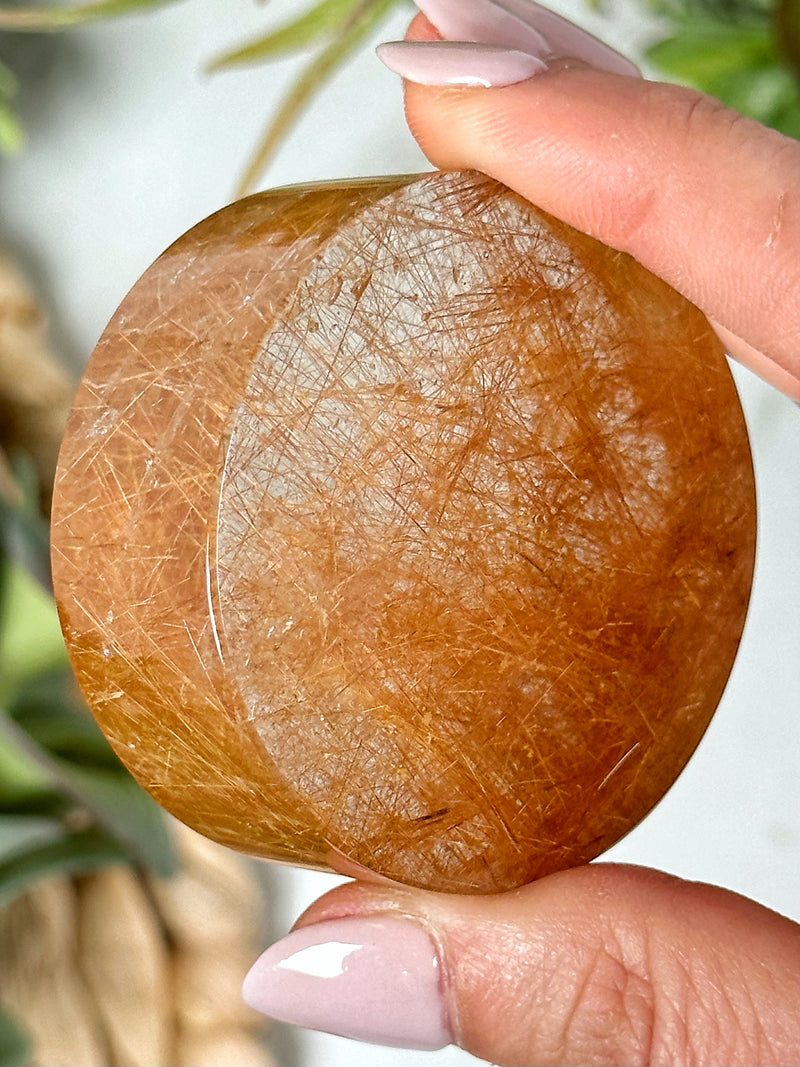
(702, 196)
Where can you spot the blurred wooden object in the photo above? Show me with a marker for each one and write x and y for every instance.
(115, 969)
(35, 388)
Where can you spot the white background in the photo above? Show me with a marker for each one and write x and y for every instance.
(131, 144)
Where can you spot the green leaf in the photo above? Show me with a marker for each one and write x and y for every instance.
(43, 801)
(8, 81)
(109, 795)
(12, 135)
(735, 62)
(290, 37)
(15, 1045)
(20, 833)
(49, 711)
(721, 10)
(30, 633)
(765, 93)
(77, 852)
(23, 783)
(323, 66)
(701, 51)
(125, 810)
(60, 16)
(24, 537)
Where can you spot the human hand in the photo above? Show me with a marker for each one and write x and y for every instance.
(603, 964)
(702, 196)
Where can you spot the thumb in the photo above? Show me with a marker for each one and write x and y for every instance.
(597, 965)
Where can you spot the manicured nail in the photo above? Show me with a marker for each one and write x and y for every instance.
(374, 979)
(459, 63)
(522, 25)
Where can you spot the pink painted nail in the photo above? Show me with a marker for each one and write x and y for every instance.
(522, 25)
(458, 63)
(374, 979)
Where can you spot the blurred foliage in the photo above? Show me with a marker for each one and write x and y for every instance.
(14, 1042)
(358, 18)
(59, 16)
(12, 137)
(332, 30)
(742, 51)
(66, 802)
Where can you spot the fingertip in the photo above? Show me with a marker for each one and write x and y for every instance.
(373, 978)
(582, 966)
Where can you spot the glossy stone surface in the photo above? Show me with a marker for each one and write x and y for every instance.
(398, 522)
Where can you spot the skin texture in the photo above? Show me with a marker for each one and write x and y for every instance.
(606, 964)
(700, 195)
(611, 964)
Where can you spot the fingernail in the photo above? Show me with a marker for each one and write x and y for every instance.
(458, 63)
(374, 979)
(525, 26)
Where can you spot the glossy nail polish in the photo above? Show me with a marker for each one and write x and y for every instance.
(459, 63)
(374, 979)
(522, 25)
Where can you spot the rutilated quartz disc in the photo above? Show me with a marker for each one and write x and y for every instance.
(399, 524)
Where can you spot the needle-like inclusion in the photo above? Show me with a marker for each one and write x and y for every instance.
(398, 522)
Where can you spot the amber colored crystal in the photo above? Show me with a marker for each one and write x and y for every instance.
(397, 521)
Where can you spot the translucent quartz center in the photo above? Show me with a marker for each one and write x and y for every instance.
(399, 523)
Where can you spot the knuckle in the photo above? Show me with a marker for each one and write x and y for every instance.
(613, 1009)
(702, 110)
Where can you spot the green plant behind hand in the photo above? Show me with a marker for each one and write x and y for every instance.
(742, 51)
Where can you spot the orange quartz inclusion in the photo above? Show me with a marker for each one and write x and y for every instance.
(400, 522)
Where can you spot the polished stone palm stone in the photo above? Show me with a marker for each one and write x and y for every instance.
(399, 524)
